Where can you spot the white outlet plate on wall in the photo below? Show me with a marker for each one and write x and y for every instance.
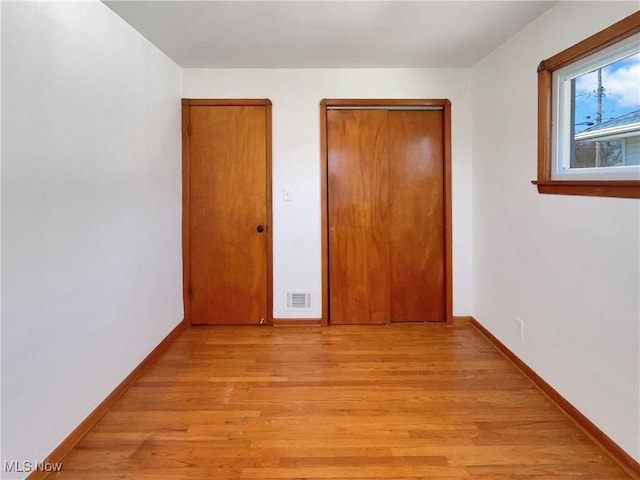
(520, 327)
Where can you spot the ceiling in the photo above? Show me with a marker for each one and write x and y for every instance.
(327, 34)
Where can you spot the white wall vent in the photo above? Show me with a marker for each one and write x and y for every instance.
(298, 300)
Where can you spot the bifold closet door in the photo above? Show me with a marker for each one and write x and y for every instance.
(228, 214)
(385, 216)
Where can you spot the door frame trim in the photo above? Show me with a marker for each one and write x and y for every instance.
(186, 196)
(325, 105)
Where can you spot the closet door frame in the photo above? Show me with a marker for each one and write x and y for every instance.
(445, 104)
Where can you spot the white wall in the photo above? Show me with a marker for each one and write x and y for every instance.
(296, 95)
(568, 266)
(91, 206)
(0, 245)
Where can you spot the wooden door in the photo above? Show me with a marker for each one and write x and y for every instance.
(358, 216)
(228, 214)
(386, 216)
(416, 216)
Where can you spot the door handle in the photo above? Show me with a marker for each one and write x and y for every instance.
(260, 229)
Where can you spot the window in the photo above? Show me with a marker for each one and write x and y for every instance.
(589, 115)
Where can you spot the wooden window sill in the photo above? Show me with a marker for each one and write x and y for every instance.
(593, 188)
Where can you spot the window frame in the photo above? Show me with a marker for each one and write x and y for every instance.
(617, 32)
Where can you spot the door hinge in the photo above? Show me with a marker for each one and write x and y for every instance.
(189, 129)
(189, 290)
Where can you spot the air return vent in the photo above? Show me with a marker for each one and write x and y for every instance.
(297, 300)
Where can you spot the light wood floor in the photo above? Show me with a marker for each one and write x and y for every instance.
(379, 402)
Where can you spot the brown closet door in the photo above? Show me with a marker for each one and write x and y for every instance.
(358, 216)
(228, 198)
(416, 216)
(386, 216)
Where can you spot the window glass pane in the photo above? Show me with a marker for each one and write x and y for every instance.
(586, 153)
(606, 115)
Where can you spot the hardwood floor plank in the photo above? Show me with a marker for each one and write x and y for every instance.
(368, 402)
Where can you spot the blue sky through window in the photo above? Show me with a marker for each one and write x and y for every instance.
(621, 82)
